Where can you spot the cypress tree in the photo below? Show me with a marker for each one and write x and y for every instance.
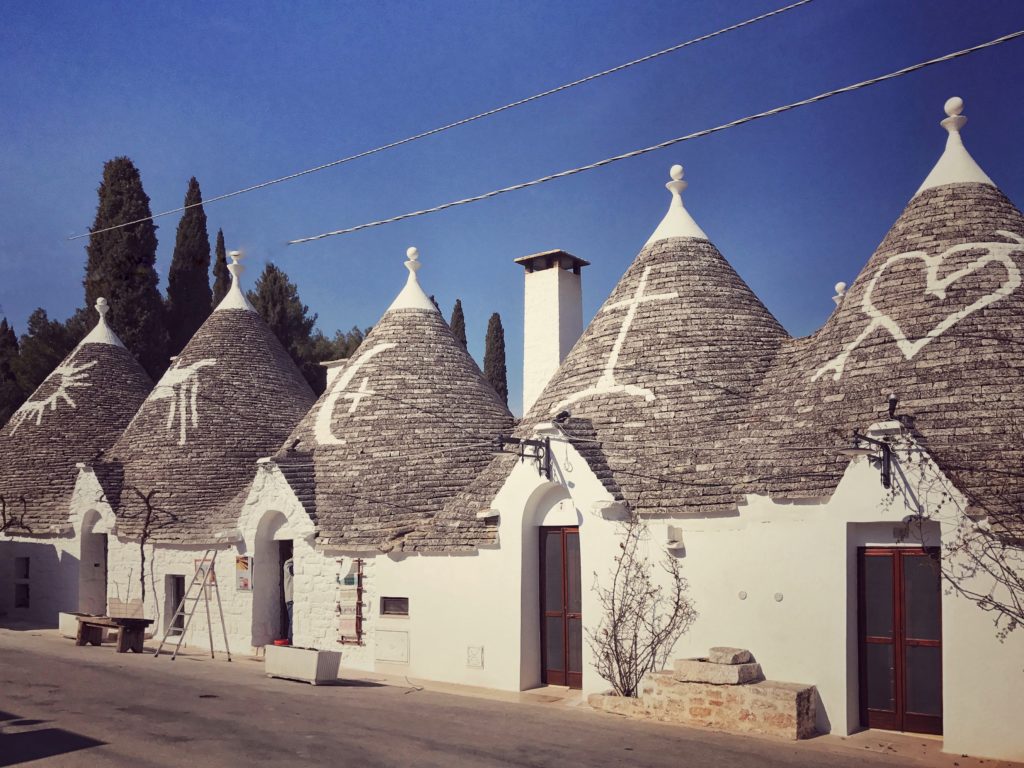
(458, 322)
(221, 276)
(494, 358)
(11, 396)
(189, 297)
(121, 266)
(277, 300)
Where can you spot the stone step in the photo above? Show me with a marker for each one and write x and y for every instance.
(704, 671)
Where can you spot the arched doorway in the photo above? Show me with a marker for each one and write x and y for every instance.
(552, 595)
(272, 550)
(92, 567)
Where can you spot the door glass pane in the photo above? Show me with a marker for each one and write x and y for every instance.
(880, 677)
(553, 571)
(572, 571)
(554, 642)
(575, 645)
(924, 679)
(923, 595)
(878, 595)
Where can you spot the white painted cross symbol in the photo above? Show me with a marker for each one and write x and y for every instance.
(606, 383)
(357, 396)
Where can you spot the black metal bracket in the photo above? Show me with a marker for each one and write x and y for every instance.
(539, 450)
(886, 459)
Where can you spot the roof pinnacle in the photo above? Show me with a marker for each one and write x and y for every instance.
(102, 333)
(234, 298)
(956, 164)
(677, 222)
(412, 295)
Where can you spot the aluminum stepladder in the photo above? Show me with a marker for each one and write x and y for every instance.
(202, 581)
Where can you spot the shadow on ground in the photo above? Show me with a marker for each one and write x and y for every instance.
(23, 746)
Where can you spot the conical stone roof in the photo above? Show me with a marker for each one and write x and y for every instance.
(73, 416)
(229, 398)
(406, 425)
(936, 317)
(667, 366)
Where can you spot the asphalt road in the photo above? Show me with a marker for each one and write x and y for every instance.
(68, 706)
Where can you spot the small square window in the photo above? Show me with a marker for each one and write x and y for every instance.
(394, 606)
(21, 595)
(21, 567)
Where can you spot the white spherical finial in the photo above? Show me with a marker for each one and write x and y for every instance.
(102, 306)
(676, 172)
(840, 288)
(413, 253)
(954, 106)
(236, 256)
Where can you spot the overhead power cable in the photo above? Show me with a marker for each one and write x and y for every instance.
(669, 142)
(457, 123)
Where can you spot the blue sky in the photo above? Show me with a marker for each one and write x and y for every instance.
(235, 93)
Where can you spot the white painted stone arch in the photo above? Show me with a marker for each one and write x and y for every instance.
(92, 529)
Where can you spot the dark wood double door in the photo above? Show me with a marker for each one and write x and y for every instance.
(900, 625)
(561, 616)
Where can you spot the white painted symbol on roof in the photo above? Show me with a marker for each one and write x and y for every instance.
(606, 383)
(71, 375)
(322, 427)
(995, 252)
(180, 385)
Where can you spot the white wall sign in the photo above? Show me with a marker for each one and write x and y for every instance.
(936, 286)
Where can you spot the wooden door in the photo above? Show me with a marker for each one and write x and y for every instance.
(561, 617)
(900, 625)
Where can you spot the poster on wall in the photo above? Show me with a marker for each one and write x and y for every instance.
(243, 573)
(201, 567)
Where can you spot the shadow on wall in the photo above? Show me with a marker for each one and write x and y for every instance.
(36, 744)
(48, 583)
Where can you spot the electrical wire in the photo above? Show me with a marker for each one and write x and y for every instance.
(669, 142)
(457, 123)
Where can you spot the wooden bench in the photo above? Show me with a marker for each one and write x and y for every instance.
(130, 632)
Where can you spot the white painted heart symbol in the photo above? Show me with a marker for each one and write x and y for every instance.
(995, 252)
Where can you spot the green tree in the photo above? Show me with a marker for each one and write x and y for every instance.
(277, 300)
(189, 297)
(11, 396)
(42, 347)
(221, 276)
(121, 265)
(494, 357)
(458, 322)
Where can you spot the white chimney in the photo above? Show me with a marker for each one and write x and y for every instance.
(552, 317)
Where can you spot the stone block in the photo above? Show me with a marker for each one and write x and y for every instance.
(722, 655)
(701, 671)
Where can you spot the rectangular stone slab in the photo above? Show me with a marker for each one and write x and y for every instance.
(700, 671)
(722, 655)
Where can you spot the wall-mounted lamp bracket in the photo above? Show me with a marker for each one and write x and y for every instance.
(538, 450)
(885, 460)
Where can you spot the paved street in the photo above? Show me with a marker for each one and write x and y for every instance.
(68, 706)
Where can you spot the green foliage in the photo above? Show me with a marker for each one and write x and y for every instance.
(11, 395)
(276, 298)
(221, 276)
(494, 358)
(189, 297)
(458, 322)
(121, 266)
(43, 346)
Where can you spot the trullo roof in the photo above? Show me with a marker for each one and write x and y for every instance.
(73, 416)
(407, 424)
(233, 394)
